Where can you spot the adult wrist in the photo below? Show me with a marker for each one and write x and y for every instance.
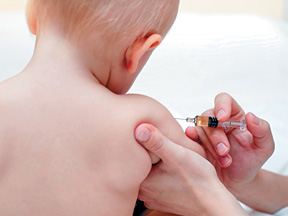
(242, 189)
(224, 204)
(218, 201)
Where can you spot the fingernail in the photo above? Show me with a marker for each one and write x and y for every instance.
(221, 148)
(255, 119)
(221, 113)
(224, 161)
(142, 134)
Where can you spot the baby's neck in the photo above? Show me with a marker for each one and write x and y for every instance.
(56, 56)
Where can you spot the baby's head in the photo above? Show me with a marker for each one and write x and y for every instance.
(127, 28)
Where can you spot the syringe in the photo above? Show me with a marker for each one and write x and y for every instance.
(213, 122)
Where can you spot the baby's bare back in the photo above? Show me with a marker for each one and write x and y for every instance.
(68, 151)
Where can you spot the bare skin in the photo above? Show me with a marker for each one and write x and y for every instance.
(262, 190)
(183, 183)
(67, 151)
(67, 134)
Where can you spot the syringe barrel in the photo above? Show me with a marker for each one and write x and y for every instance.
(233, 124)
(226, 125)
(206, 121)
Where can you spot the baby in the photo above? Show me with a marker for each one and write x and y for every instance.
(67, 128)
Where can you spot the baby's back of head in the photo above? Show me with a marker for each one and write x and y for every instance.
(110, 18)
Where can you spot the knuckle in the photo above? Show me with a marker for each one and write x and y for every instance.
(272, 149)
(221, 95)
(268, 137)
(266, 129)
(267, 126)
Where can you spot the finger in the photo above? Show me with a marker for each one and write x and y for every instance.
(157, 209)
(261, 131)
(217, 138)
(205, 141)
(223, 161)
(191, 133)
(151, 138)
(226, 107)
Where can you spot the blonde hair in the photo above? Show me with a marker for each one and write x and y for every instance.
(115, 17)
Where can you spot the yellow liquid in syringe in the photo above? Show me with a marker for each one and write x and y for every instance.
(201, 121)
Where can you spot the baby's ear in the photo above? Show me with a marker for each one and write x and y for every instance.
(32, 24)
(138, 49)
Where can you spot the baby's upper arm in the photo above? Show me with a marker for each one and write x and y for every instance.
(151, 111)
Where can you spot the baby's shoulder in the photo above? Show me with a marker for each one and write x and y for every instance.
(144, 106)
(114, 123)
(123, 113)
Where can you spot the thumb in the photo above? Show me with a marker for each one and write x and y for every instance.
(261, 131)
(154, 141)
